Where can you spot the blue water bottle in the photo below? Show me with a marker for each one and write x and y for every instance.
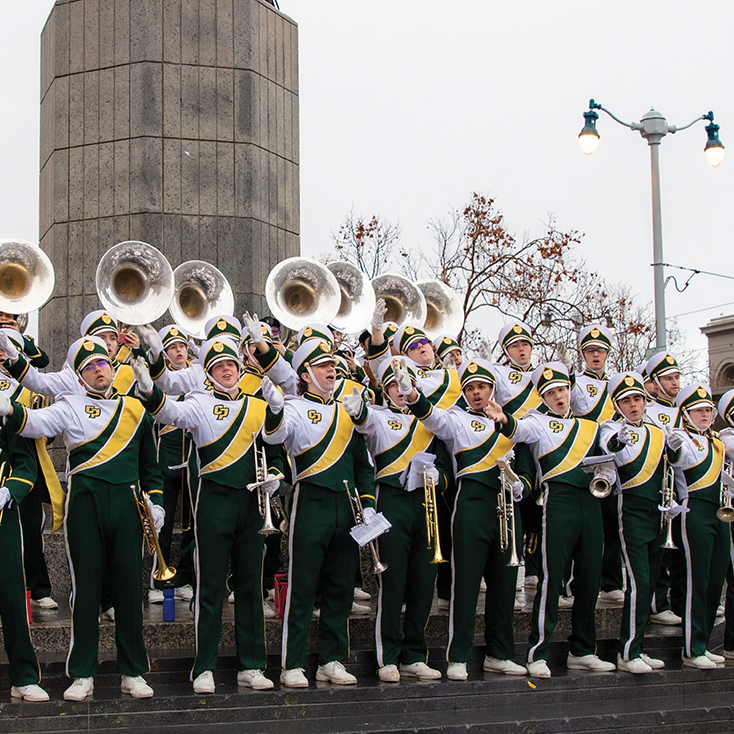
(169, 604)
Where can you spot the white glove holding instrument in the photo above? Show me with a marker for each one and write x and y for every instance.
(431, 473)
(5, 497)
(673, 440)
(271, 484)
(142, 377)
(150, 336)
(402, 378)
(669, 513)
(11, 351)
(6, 407)
(517, 491)
(368, 515)
(252, 326)
(353, 402)
(157, 513)
(563, 356)
(272, 395)
(378, 315)
(606, 473)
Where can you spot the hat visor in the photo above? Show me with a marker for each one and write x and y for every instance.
(554, 383)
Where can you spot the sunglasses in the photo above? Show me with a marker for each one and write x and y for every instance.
(97, 364)
(418, 343)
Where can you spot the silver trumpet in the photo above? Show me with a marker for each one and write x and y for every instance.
(725, 513)
(358, 511)
(263, 497)
(666, 500)
(598, 486)
(506, 510)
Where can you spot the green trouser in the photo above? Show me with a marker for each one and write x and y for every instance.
(641, 541)
(477, 554)
(410, 577)
(611, 569)
(32, 520)
(227, 522)
(104, 537)
(24, 670)
(572, 531)
(319, 543)
(706, 542)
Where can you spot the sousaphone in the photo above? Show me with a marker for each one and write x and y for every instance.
(405, 301)
(444, 312)
(26, 277)
(357, 297)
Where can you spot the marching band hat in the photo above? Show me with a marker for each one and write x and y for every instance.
(444, 344)
(514, 332)
(389, 330)
(98, 322)
(697, 395)
(173, 333)
(624, 385)
(342, 368)
(595, 335)
(660, 364)
(549, 375)
(476, 370)
(224, 326)
(86, 350)
(267, 334)
(315, 331)
(311, 352)
(406, 335)
(218, 349)
(15, 336)
(726, 406)
(641, 370)
(386, 370)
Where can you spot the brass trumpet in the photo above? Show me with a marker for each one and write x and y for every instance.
(163, 572)
(358, 512)
(506, 510)
(725, 513)
(429, 502)
(666, 500)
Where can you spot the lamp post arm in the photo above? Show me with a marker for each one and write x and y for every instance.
(596, 106)
(674, 129)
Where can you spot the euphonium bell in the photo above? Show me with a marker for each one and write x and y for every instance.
(357, 297)
(444, 311)
(404, 300)
(26, 277)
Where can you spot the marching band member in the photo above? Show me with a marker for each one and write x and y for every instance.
(572, 523)
(223, 426)
(325, 451)
(448, 351)
(107, 436)
(35, 354)
(401, 446)
(663, 371)
(471, 436)
(638, 447)
(17, 477)
(698, 456)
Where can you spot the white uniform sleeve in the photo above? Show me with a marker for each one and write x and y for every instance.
(51, 383)
(186, 414)
(50, 421)
(181, 382)
(727, 436)
(527, 430)
(443, 424)
(284, 376)
(287, 426)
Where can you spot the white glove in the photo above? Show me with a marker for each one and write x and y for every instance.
(368, 515)
(402, 377)
(11, 351)
(378, 315)
(606, 473)
(563, 356)
(272, 395)
(157, 513)
(430, 472)
(193, 347)
(353, 402)
(4, 497)
(142, 376)
(150, 336)
(625, 435)
(673, 511)
(271, 484)
(252, 326)
(517, 490)
(6, 407)
(673, 440)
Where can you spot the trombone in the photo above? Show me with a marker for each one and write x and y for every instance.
(429, 502)
(725, 513)
(358, 512)
(506, 510)
(163, 572)
(666, 501)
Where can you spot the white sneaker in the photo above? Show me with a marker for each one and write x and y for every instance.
(136, 686)
(359, 609)
(389, 674)
(254, 679)
(714, 658)
(334, 672)
(443, 605)
(518, 605)
(506, 667)
(654, 663)
(667, 617)
(728, 654)
(108, 614)
(457, 671)
(230, 598)
(701, 662)
(565, 602)
(46, 603)
(361, 595)
(79, 689)
(32, 692)
(538, 669)
(719, 611)
(483, 587)
(293, 678)
(268, 611)
(531, 582)
(636, 665)
(616, 596)
(419, 670)
(184, 593)
(589, 662)
(155, 596)
(204, 682)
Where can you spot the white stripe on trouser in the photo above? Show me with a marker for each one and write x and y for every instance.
(72, 593)
(689, 583)
(379, 649)
(453, 574)
(294, 512)
(197, 596)
(543, 584)
(631, 580)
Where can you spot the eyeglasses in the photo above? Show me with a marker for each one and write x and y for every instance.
(98, 364)
(418, 343)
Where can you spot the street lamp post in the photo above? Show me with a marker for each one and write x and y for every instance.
(653, 127)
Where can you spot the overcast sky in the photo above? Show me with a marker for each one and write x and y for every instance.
(406, 108)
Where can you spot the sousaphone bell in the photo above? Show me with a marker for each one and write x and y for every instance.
(357, 297)
(26, 277)
(444, 312)
(404, 300)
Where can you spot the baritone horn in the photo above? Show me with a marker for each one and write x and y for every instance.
(429, 502)
(444, 311)
(301, 291)
(404, 300)
(200, 292)
(357, 297)
(506, 510)
(134, 282)
(26, 277)
(163, 572)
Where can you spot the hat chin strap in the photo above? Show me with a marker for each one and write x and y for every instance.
(229, 390)
(318, 384)
(690, 422)
(656, 380)
(521, 367)
(104, 393)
